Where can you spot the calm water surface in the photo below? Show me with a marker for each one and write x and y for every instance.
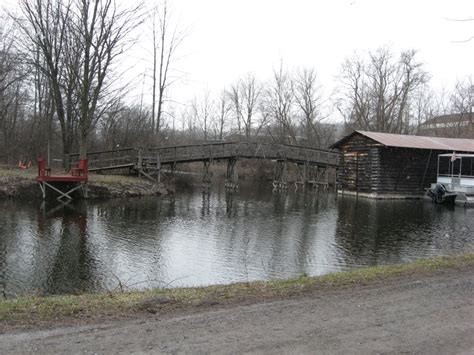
(195, 239)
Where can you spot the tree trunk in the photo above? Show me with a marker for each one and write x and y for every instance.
(83, 145)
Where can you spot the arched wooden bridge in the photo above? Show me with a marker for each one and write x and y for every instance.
(149, 161)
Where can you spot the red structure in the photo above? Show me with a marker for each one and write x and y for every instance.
(78, 177)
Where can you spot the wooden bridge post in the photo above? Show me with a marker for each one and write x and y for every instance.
(312, 176)
(140, 163)
(322, 177)
(43, 189)
(280, 175)
(85, 192)
(318, 177)
(206, 175)
(158, 168)
(300, 175)
(173, 173)
(325, 178)
(232, 176)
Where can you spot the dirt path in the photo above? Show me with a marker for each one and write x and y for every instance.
(432, 314)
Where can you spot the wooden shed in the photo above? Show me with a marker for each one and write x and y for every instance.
(383, 165)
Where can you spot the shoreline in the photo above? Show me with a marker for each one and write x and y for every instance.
(21, 185)
(47, 311)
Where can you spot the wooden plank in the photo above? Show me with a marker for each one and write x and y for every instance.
(113, 167)
(115, 159)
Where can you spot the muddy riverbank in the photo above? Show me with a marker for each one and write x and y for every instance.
(425, 307)
(48, 311)
(18, 184)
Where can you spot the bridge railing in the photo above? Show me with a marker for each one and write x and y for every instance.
(107, 158)
(303, 154)
(193, 152)
(207, 151)
(226, 150)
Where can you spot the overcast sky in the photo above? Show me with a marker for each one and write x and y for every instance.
(229, 38)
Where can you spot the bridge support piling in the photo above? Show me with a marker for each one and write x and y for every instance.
(140, 163)
(313, 176)
(232, 176)
(206, 175)
(158, 168)
(173, 173)
(318, 177)
(323, 177)
(301, 175)
(280, 177)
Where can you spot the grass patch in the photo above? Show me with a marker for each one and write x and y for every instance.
(114, 179)
(15, 172)
(104, 179)
(28, 310)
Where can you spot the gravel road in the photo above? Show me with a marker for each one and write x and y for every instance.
(427, 314)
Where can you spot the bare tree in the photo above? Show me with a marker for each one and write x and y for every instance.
(45, 26)
(413, 77)
(462, 104)
(245, 95)
(166, 39)
(12, 87)
(189, 122)
(202, 110)
(42, 127)
(223, 110)
(425, 106)
(265, 114)
(100, 28)
(309, 101)
(78, 42)
(280, 101)
(123, 126)
(377, 93)
(354, 106)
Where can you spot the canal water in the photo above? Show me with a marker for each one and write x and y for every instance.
(193, 238)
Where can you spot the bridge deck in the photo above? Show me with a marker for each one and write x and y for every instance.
(154, 157)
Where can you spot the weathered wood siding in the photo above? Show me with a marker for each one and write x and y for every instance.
(360, 156)
(370, 167)
(406, 171)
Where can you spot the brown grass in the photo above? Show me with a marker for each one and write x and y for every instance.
(30, 310)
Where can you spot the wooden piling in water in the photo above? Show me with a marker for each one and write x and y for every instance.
(232, 176)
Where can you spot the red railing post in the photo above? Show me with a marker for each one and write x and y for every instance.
(41, 166)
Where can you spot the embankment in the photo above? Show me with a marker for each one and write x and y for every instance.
(425, 309)
(40, 311)
(18, 184)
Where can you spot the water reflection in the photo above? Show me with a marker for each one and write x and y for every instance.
(73, 267)
(221, 237)
(45, 249)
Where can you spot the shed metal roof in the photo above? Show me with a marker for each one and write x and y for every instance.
(416, 142)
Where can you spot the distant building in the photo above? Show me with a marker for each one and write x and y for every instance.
(457, 125)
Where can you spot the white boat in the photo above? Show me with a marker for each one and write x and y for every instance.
(454, 179)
